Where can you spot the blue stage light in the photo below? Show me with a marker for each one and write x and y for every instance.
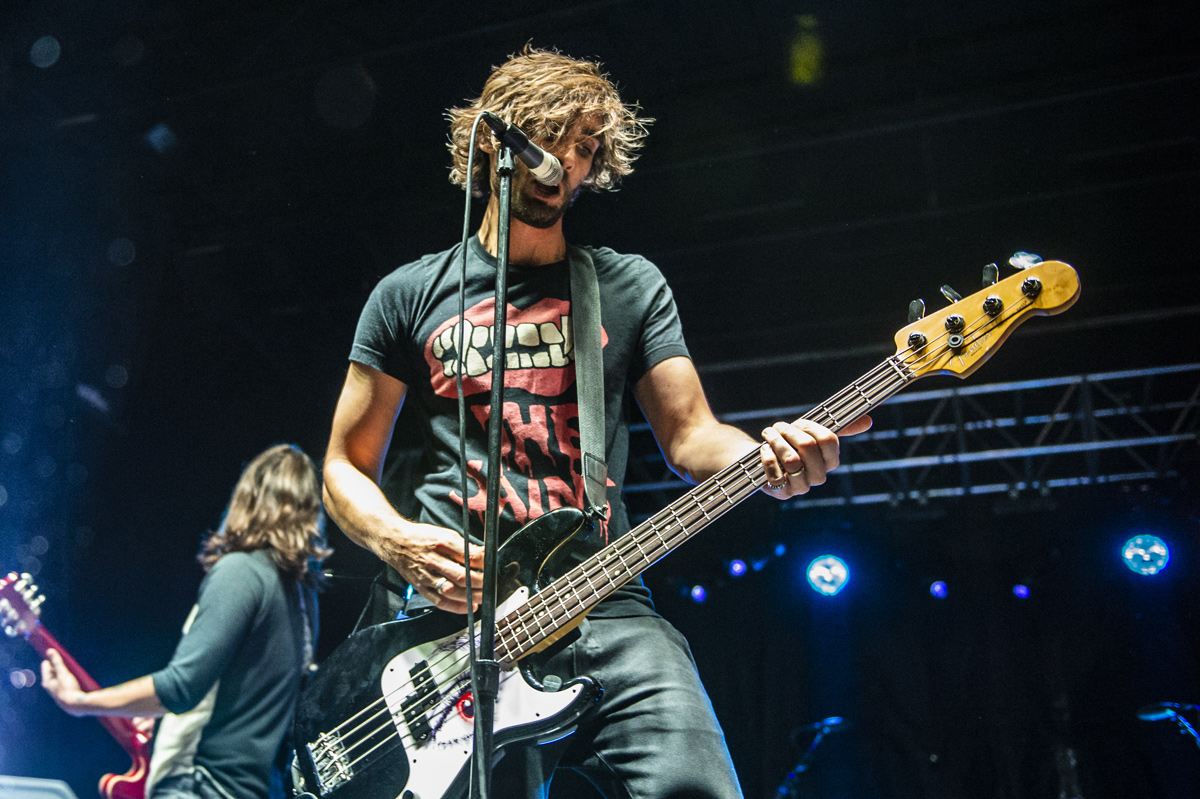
(1146, 554)
(698, 593)
(1021, 591)
(938, 590)
(737, 567)
(161, 138)
(45, 52)
(780, 550)
(828, 574)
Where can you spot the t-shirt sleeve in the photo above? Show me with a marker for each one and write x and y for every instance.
(379, 339)
(230, 597)
(661, 332)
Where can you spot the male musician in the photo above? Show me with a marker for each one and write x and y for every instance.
(229, 690)
(654, 733)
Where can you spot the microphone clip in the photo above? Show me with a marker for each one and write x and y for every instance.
(545, 168)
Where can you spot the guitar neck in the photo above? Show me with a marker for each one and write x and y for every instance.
(121, 729)
(576, 592)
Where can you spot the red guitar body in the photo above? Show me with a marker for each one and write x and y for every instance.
(19, 613)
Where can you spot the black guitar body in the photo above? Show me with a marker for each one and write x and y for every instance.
(388, 716)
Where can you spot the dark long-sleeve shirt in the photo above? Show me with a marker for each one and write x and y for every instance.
(245, 644)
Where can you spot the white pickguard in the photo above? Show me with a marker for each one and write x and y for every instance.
(435, 762)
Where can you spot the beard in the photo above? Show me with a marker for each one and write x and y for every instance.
(526, 206)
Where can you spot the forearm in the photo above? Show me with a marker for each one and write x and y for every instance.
(429, 557)
(129, 699)
(357, 504)
(707, 449)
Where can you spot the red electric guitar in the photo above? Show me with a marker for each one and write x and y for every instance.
(19, 610)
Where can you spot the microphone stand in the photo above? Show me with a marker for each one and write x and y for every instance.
(1171, 710)
(486, 669)
(791, 783)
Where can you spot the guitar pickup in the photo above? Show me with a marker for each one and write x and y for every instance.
(425, 697)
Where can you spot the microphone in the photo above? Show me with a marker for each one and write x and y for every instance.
(831, 724)
(546, 169)
(1162, 710)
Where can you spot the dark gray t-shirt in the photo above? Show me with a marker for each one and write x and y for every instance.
(246, 637)
(408, 330)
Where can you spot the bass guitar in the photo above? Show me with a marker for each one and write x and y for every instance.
(20, 609)
(390, 712)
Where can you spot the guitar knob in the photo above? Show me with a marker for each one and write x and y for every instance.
(991, 273)
(954, 341)
(993, 305)
(1024, 260)
(916, 340)
(916, 310)
(955, 323)
(950, 294)
(1031, 287)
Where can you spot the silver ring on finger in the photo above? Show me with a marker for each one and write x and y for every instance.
(778, 487)
(440, 586)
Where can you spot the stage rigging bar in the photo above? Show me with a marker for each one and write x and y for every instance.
(1051, 433)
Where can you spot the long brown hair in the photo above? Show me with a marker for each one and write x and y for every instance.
(276, 506)
(546, 93)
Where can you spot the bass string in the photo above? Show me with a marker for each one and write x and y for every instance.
(422, 689)
(699, 505)
(710, 501)
(444, 704)
(881, 382)
(843, 401)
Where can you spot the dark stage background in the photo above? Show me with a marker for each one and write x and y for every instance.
(196, 198)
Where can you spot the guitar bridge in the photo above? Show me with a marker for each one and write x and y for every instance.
(332, 766)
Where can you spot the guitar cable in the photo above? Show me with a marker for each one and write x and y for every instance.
(473, 654)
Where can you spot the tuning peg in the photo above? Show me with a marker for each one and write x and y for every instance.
(1024, 260)
(916, 310)
(951, 294)
(991, 273)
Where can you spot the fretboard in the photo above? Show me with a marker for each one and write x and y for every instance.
(579, 590)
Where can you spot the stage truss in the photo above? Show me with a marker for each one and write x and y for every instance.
(1020, 438)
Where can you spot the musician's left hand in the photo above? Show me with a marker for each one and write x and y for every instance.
(798, 456)
(61, 684)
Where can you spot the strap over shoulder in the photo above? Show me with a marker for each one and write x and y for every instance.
(589, 379)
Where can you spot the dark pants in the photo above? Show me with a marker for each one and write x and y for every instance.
(653, 735)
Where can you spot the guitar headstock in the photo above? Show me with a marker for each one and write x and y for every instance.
(959, 338)
(20, 604)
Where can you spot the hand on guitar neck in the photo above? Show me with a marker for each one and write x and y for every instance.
(135, 699)
(20, 608)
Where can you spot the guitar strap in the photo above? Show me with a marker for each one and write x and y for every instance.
(589, 379)
(589, 387)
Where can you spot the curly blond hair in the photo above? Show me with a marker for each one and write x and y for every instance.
(276, 506)
(545, 93)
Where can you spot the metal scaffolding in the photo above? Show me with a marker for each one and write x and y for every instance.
(1032, 435)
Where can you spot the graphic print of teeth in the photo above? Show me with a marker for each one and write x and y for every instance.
(528, 346)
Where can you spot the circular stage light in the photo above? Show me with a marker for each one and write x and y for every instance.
(1146, 554)
(737, 567)
(938, 590)
(828, 574)
(45, 52)
(698, 593)
(1021, 591)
